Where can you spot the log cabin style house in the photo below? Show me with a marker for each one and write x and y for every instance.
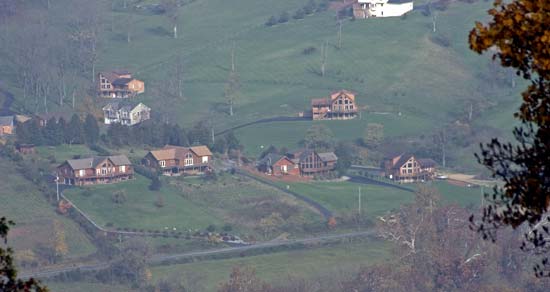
(178, 160)
(119, 84)
(95, 170)
(406, 168)
(303, 162)
(340, 105)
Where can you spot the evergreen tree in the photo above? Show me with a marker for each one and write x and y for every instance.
(232, 141)
(91, 130)
(74, 132)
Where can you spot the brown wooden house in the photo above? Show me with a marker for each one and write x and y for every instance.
(312, 163)
(95, 170)
(177, 160)
(25, 148)
(7, 125)
(340, 105)
(119, 84)
(278, 165)
(407, 168)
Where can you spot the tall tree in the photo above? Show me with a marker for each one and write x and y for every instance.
(319, 137)
(520, 32)
(74, 131)
(8, 272)
(171, 10)
(374, 135)
(91, 129)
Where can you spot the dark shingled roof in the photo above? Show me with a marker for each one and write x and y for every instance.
(122, 81)
(271, 159)
(426, 162)
(90, 162)
(328, 156)
(6, 121)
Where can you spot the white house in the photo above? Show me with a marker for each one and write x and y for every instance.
(126, 113)
(380, 8)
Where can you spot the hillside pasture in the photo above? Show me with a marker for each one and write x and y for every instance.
(34, 216)
(191, 204)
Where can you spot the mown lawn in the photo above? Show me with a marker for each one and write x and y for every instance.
(191, 204)
(343, 197)
(311, 264)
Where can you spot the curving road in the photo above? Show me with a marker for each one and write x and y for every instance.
(160, 258)
(327, 214)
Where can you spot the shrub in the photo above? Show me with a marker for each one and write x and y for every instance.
(211, 228)
(309, 50)
(309, 8)
(155, 184)
(299, 14)
(271, 21)
(284, 17)
(227, 228)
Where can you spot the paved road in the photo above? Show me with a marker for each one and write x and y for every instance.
(266, 120)
(160, 258)
(370, 181)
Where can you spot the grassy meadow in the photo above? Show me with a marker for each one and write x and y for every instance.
(192, 204)
(311, 264)
(34, 216)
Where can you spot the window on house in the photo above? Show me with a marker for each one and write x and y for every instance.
(123, 168)
(205, 159)
(162, 163)
(103, 170)
(82, 172)
(188, 159)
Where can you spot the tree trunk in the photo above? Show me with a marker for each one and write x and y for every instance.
(231, 106)
(339, 34)
(434, 18)
(175, 31)
(471, 111)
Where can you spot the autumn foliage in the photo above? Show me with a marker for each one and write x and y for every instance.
(519, 36)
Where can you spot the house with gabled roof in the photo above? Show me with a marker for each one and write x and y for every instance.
(95, 170)
(340, 105)
(177, 160)
(312, 163)
(278, 165)
(125, 113)
(406, 167)
(119, 84)
(7, 125)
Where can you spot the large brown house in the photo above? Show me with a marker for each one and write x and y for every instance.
(340, 105)
(95, 170)
(119, 84)
(177, 160)
(312, 163)
(405, 168)
(278, 165)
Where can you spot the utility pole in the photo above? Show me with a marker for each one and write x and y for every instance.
(359, 200)
(212, 135)
(57, 187)
(482, 197)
